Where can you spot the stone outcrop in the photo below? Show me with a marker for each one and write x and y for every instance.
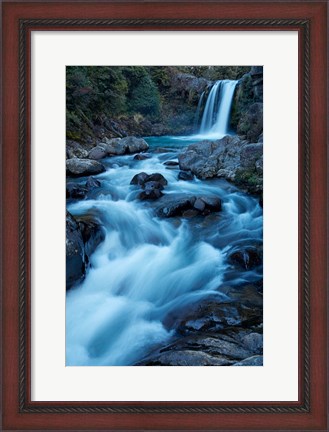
(246, 258)
(78, 191)
(213, 333)
(230, 158)
(75, 255)
(251, 123)
(82, 238)
(75, 150)
(187, 206)
(247, 109)
(83, 167)
(117, 147)
(152, 185)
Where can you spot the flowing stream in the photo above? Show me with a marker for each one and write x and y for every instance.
(147, 267)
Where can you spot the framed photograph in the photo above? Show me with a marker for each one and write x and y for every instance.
(164, 222)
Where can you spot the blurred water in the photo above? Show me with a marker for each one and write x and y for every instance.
(148, 266)
(216, 116)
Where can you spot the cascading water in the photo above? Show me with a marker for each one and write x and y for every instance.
(208, 114)
(148, 267)
(197, 114)
(216, 116)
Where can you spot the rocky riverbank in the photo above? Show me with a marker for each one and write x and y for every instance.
(235, 159)
(83, 235)
(214, 333)
(231, 158)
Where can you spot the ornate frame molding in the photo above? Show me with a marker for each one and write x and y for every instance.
(130, 408)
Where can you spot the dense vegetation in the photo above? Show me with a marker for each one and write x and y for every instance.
(139, 99)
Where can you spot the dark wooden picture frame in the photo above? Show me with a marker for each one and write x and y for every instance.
(19, 19)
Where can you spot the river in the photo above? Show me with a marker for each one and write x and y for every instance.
(147, 266)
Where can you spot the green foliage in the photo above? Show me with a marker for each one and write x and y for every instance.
(161, 76)
(95, 90)
(248, 178)
(94, 93)
(215, 73)
(125, 93)
(72, 120)
(73, 135)
(145, 98)
(143, 95)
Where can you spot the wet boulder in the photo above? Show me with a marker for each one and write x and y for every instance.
(187, 206)
(152, 185)
(92, 183)
(200, 349)
(174, 205)
(98, 152)
(212, 203)
(134, 145)
(211, 333)
(158, 178)
(150, 194)
(82, 239)
(139, 179)
(75, 255)
(142, 156)
(171, 163)
(248, 294)
(83, 167)
(246, 258)
(185, 175)
(190, 213)
(75, 191)
(92, 235)
(199, 204)
(152, 190)
(79, 191)
(142, 178)
(212, 316)
(118, 146)
(114, 146)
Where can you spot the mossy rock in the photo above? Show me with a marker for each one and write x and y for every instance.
(250, 180)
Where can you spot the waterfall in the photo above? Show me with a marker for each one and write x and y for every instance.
(216, 115)
(197, 114)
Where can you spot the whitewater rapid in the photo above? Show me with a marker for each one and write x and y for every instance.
(148, 267)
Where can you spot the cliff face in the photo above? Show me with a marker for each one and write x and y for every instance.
(249, 91)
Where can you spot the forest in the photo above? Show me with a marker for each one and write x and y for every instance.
(143, 100)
